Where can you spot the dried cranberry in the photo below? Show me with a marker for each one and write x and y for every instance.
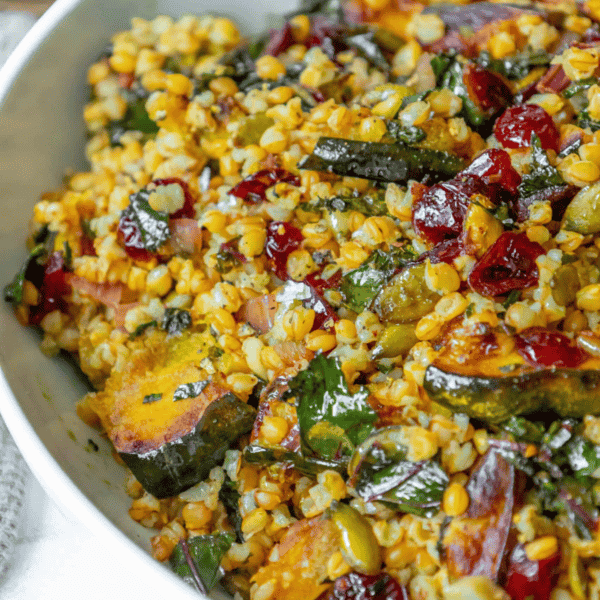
(280, 40)
(87, 246)
(354, 586)
(231, 248)
(327, 35)
(126, 80)
(254, 187)
(439, 212)
(533, 579)
(54, 286)
(494, 168)
(486, 89)
(324, 313)
(543, 348)
(187, 210)
(282, 240)
(130, 237)
(445, 251)
(516, 124)
(509, 264)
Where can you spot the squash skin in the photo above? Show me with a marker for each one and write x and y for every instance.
(568, 392)
(179, 464)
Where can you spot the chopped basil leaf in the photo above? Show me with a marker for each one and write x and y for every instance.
(139, 330)
(516, 66)
(406, 135)
(136, 119)
(322, 394)
(514, 296)
(585, 121)
(13, 292)
(150, 398)
(190, 390)
(153, 225)
(541, 173)
(576, 87)
(176, 320)
(230, 497)
(198, 560)
(370, 205)
(360, 286)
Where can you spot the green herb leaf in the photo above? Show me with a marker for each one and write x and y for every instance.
(198, 560)
(523, 429)
(370, 205)
(230, 497)
(150, 398)
(577, 87)
(360, 286)
(13, 292)
(513, 296)
(153, 225)
(136, 119)
(190, 390)
(516, 66)
(586, 122)
(139, 330)
(322, 394)
(366, 45)
(405, 135)
(176, 320)
(541, 173)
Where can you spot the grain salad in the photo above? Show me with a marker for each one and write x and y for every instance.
(337, 292)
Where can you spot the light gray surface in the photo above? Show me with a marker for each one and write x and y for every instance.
(41, 135)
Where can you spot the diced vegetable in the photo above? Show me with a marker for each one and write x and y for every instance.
(583, 213)
(380, 161)
(171, 443)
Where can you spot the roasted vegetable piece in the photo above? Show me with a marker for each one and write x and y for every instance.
(396, 340)
(475, 542)
(303, 552)
(482, 373)
(407, 297)
(583, 213)
(169, 445)
(380, 161)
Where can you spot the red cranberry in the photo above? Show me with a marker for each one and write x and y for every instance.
(354, 586)
(509, 264)
(254, 187)
(54, 287)
(486, 89)
(533, 579)
(516, 124)
(323, 311)
(543, 348)
(439, 212)
(445, 251)
(282, 240)
(280, 40)
(187, 210)
(130, 237)
(87, 246)
(494, 168)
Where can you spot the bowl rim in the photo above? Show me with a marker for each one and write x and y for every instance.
(56, 483)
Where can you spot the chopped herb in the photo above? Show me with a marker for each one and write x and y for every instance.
(230, 497)
(406, 135)
(150, 398)
(541, 173)
(380, 161)
(470, 310)
(413, 98)
(215, 352)
(92, 446)
(153, 225)
(585, 121)
(139, 330)
(67, 255)
(440, 65)
(370, 205)
(516, 66)
(367, 46)
(198, 560)
(322, 395)
(136, 119)
(360, 286)
(514, 296)
(577, 87)
(567, 259)
(13, 292)
(571, 148)
(176, 320)
(190, 390)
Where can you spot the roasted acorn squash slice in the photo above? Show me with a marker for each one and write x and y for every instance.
(479, 372)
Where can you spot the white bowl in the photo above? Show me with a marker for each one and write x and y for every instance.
(42, 93)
